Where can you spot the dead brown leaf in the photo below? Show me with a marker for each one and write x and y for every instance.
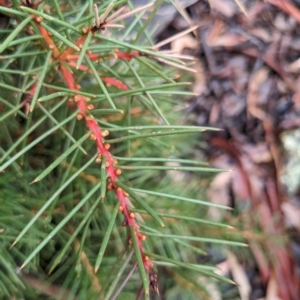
(253, 105)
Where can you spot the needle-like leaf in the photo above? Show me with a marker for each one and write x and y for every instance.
(190, 266)
(168, 195)
(141, 202)
(139, 259)
(106, 237)
(100, 82)
(40, 81)
(51, 199)
(103, 177)
(84, 49)
(60, 225)
(73, 236)
(36, 141)
(16, 31)
(61, 158)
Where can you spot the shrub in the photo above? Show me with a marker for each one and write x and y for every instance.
(93, 184)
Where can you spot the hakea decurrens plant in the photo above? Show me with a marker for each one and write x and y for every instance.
(67, 59)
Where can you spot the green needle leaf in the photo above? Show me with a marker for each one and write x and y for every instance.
(137, 251)
(107, 111)
(144, 61)
(29, 131)
(52, 199)
(17, 30)
(60, 37)
(186, 218)
(60, 225)
(66, 132)
(84, 48)
(196, 239)
(12, 11)
(11, 88)
(73, 236)
(11, 112)
(178, 241)
(134, 47)
(148, 88)
(71, 92)
(106, 237)
(148, 20)
(176, 168)
(152, 134)
(158, 159)
(41, 78)
(100, 82)
(49, 18)
(8, 104)
(190, 266)
(36, 141)
(165, 195)
(171, 127)
(141, 202)
(61, 158)
(103, 177)
(118, 276)
(153, 102)
(53, 96)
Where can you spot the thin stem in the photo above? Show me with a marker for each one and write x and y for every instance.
(124, 282)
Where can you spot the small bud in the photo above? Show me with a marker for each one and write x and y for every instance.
(90, 107)
(87, 99)
(115, 161)
(99, 158)
(79, 116)
(146, 258)
(89, 118)
(130, 241)
(38, 19)
(131, 215)
(71, 99)
(119, 189)
(89, 52)
(109, 187)
(106, 146)
(80, 46)
(121, 208)
(51, 46)
(76, 98)
(107, 164)
(78, 86)
(104, 133)
(118, 172)
(93, 137)
(142, 237)
(125, 194)
(84, 30)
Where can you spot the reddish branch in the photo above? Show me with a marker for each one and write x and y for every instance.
(65, 60)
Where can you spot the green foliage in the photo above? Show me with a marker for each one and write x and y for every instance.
(60, 225)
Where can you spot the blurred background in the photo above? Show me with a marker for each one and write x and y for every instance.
(247, 84)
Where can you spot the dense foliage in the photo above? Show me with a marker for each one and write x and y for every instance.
(99, 196)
